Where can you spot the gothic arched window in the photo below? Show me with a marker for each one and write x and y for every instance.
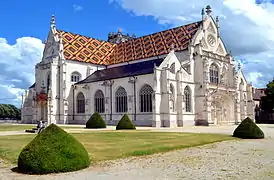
(214, 74)
(75, 77)
(80, 103)
(121, 100)
(172, 68)
(99, 102)
(187, 94)
(146, 94)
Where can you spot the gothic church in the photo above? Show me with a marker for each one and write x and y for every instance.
(177, 77)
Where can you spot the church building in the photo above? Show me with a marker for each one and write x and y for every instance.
(177, 77)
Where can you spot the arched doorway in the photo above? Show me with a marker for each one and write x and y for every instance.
(222, 109)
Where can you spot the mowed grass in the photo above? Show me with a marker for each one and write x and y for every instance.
(19, 127)
(109, 145)
(15, 127)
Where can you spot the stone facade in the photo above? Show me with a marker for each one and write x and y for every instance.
(199, 85)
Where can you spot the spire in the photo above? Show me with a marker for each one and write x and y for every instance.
(239, 66)
(208, 10)
(203, 14)
(52, 20)
(218, 25)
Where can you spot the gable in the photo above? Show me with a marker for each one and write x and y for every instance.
(90, 50)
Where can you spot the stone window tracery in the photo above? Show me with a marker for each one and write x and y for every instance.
(121, 100)
(187, 94)
(99, 102)
(146, 94)
(80, 103)
(172, 68)
(172, 98)
(214, 74)
(75, 77)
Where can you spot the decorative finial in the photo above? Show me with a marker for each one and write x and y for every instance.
(218, 25)
(203, 14)
(217, 19)
(53, 20)
(208, 10)
(172, 46)
(61, 38)
(239, 65)
(119, 30)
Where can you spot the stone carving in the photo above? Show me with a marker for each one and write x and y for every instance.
(220, 50)
(211, 28)
(211, 40)
(204, 45)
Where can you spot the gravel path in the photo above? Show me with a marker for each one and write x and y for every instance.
(239, 159)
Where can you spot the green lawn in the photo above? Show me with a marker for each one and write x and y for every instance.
(19, 127)
(106, 145)
(16, 127)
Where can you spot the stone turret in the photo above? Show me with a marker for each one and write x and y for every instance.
(119, 37)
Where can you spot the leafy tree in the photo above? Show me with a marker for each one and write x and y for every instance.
(267, 102)
(9, 111)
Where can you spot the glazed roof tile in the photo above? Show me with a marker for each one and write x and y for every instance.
(91, 50)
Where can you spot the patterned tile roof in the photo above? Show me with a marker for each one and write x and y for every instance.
(86, 49)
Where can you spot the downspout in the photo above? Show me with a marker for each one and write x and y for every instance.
(59, 93)
(73, 99)
(111, 82)
(134, 89)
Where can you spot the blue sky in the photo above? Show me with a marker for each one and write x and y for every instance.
(247, 29)
(31, 18)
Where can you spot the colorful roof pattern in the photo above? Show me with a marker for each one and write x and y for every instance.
(90, 50)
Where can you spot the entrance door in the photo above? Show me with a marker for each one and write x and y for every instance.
(222, 110)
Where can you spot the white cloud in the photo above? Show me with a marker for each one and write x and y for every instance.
(77, 7)
(246, 27)
(17, 63)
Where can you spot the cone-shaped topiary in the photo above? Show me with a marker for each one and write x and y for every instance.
(248, 130)
(125, 123)
(53, 151)
(95, 122)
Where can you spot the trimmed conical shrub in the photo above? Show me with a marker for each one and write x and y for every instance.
(95, 122)
(248, 130)
(125, 123)
(53, 151)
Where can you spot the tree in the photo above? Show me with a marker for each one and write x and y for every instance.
(267, 102)
(9, 111)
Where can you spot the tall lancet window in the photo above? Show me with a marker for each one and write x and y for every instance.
(80, 103)
(99, 101)
(121, 100)
(146, 94)
(187, 94)
(214, 74)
